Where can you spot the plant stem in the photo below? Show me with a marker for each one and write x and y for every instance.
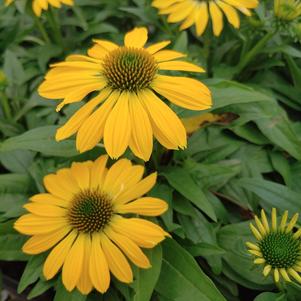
(55, 27)
(42, 30)
(5, 105)
(253, 52)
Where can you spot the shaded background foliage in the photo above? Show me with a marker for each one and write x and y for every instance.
(249, 159)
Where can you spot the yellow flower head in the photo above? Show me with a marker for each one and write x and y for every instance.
(197, 12)
(80, 219)
(278, 248)
(287, 10)
(127, 110)
(39, 5)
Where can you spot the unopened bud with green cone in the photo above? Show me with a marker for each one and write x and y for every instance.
(278, 246)
(287, 10)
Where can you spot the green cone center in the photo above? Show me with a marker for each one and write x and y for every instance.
(90, 211)
(280, 250)
(129, 69)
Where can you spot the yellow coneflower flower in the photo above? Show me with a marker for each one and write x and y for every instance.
(129, 111)
(278, 247)
(80, 219)
(198, 12)
(39, 5)
(287, 10)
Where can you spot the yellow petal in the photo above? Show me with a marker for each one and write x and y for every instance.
(98, 172)
(230, 13)
(252, 246)
(167, 55)
(91, 131)
(58, 255)
(108, 45)
(81, 173)
(145, 206)
(130, 249)
(113, 182)
(274, 219)
(136, 38)
(117, 131)
(73, 264)
(217, 18)
(59, 188)
(180, 66)
(137, 190)
(267, 269)
(41, 243)
(31, 224)
(292, 223)
(255, 232)
(141, 141)
(294, 274)
(180, 11)
(98, 267)
(276, 275)
(184, 92)
(201, 18)
(45, 210)
(118, 264)
(146, 234)
(283, 220)
(157, 46)
(168, 128)
(47, 198)
(84, 283)
(74, 123)
(284, 274)
(259, 225)
(259, 261)
(264, 220)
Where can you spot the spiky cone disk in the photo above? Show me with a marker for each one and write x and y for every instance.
(278, 246)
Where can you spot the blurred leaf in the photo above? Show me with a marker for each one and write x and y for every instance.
(182, 279)
(40, 140)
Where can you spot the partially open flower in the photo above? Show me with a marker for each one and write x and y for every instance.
(287, 10)
(278, 247)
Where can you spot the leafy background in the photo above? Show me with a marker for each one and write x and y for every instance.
(247, 160)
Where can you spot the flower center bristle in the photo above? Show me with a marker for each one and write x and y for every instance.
(90, 211)
(280, 250)
(129, 69)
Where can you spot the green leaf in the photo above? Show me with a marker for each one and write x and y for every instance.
(182, 279)
(62, 294)
(11, 245)
(272, 194)
(14, 183)
(175, 177)
(145, 280)
(17, 161)
(40, 140)
(32, 272)
(271, 297)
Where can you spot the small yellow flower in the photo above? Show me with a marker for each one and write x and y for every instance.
(278, 247)
(287, 10)
(39, 5)
(127, 110)
(198, 12)
(80, 219)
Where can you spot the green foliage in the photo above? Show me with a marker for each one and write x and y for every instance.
(250, 159)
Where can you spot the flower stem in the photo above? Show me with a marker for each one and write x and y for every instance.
(55, 27)
(253, 52)
(5, 105)
(42, 30)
